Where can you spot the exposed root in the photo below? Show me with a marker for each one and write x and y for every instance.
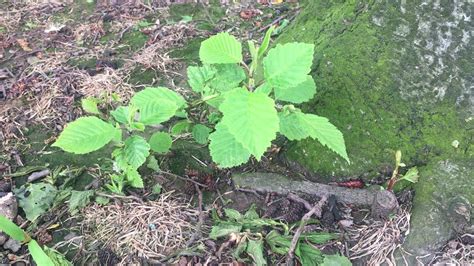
(151, 230)
(377, 241)
(459, 251)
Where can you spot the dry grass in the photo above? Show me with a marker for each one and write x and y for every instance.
(151, 230)
(456, 252)
(377, 240)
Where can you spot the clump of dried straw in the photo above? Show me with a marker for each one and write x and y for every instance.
(150, 230)
(377, 240)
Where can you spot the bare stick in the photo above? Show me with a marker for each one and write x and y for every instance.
(198, 232)
(37, 175)
(296, 198)
(183, 178)
(316, 209)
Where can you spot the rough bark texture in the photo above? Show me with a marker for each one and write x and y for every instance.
(269, 182)
(385, 203)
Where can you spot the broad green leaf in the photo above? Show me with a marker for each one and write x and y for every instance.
(232, 214)
(90, 105)
(198, 77)
(287, 65)
(300, 93)
(157, 94)
(201, 133)
(79, 199)
(157, 112)
(224, 229)
(278, 243)
(57, 258)
(222, 48)
(133, 178)
(318, 237)
(160, 142)
(35, 199)
(181, 127)
(336, 260)
(411, 175)
(266, 42)
(121, 114)
(225, 150)
(308, 255)
(38, 254)
(297, 126)
(252, 213)
(265, 88)
(85, 135)
(137, 126)
(156, 189)
(136, 150)
(12, 230)
(241, 248)
(153, 164)
(255, 250)
(251, 118)
(228, 77)
(102, 200)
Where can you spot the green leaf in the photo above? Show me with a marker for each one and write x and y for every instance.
(224, 229)
(102, 200)
(265, 88)
(201, 133)
(153, 164)
(121, 114)
(308, 255)
(156, 189)
(198, 77)
(35, 199)
(297, 126)
(38, 254)
(12, 230)
(79, 199)
(85, 135)
(300, 93)
(278, 243)
(157, 95)
(222, 48)
(154, 112)
(232, 214)
(160, 142)
(90, 105)
(411, 175)
(133, 178)
(266, 42)
(137, 126)
(252, 213)
(287, 65)
(181, 127)
(255, 250)
(241, 247)
(318, 237)
(228, 77)
(57, 258)
(136, 150)
(251, 118)
(225, 150)
(336, 260)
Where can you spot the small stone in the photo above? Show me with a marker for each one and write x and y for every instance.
(12, 244)
(8, 206)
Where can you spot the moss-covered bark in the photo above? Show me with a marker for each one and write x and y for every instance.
(390, 76)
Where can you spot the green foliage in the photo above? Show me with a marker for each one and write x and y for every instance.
(244, 103)
(336, 260)
(35, 199)
(79, 199)
(51, 258)
(85, 135)
(90, 105)
(160, 142)
(249, 231)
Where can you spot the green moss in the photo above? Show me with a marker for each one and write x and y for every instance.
(132, 40)
(353, 69)
(205, 17)
(83, 63)
(190, 52)
(140, 76)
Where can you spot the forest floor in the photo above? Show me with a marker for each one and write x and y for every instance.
(53, 55)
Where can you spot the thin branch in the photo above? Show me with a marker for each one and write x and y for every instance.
(198, 233)
(316, 209)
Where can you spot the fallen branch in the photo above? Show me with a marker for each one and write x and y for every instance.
(296, 198)
(316, 210)
(37, 175)
(198, 232)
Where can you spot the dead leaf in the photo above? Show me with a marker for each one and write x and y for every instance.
(277, 2)
(24, 45)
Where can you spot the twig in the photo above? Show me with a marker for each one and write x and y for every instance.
(37, 175)
(184, 178)
(198, 232)
(296, 198)
(316, 209)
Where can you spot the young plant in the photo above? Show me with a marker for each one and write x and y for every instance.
(38, 254)
(410, 176)
(247, 231)
(248, 105)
